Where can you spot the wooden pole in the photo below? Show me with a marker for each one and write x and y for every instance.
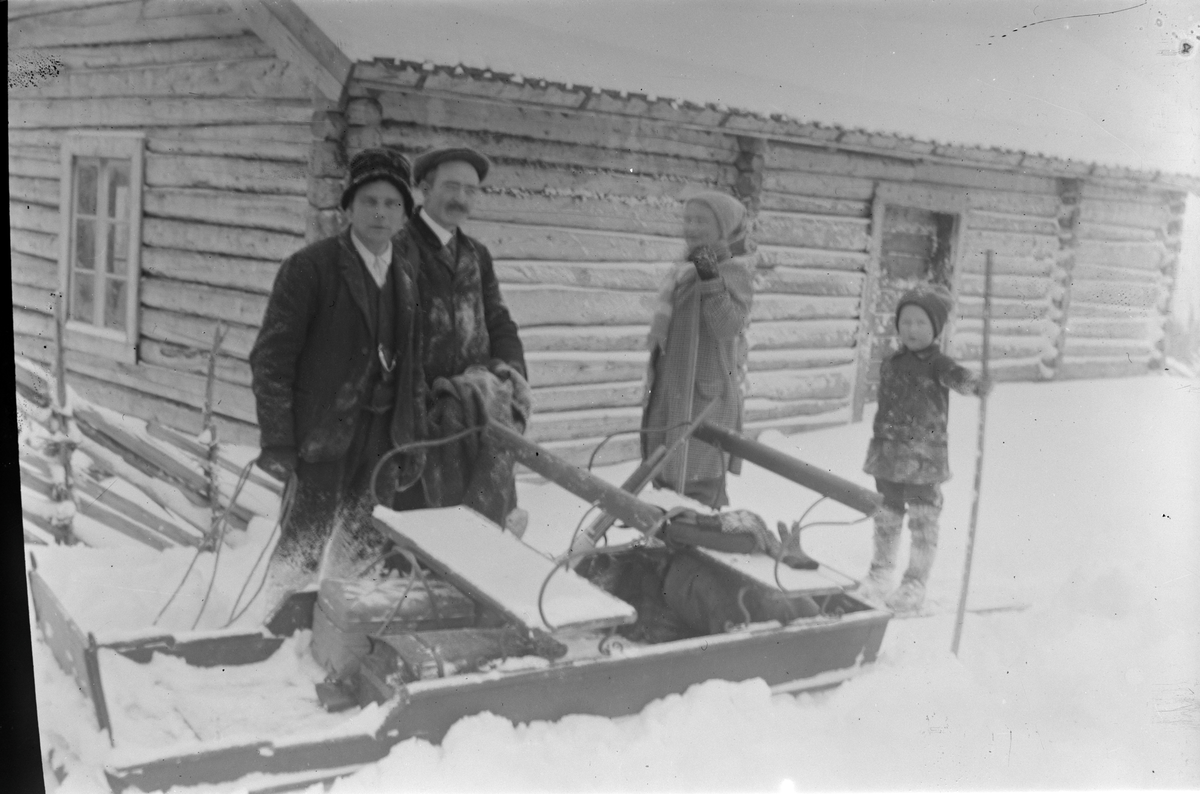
(63, 444)
(209, 462)
(966, 579)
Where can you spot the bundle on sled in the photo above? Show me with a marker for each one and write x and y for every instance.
(468, 618)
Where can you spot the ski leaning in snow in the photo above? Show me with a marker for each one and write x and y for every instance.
(932, 609)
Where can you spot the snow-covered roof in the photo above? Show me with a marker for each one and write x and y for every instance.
(963, 80)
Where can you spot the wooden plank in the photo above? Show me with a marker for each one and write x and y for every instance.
(808, 334)
(138, 112)
(43, 246)
(119, 523)
(759, 409)
(34, 32)
(973, 262)
(576, 127)
(1118, 293)
(248, 275)
(33, 324)
(814, 205)
(801, 307)
(633, 276)
(502, 570)
(256, 211)
(1021, 287)
(1008, 244)
(591, 338)
(790, 256)
(972, 306)
(553, 305)
(1004, 222)
(1105, 231)
(1120, 312)
(579, 451)
(1088, 368)
(1013, 203)
(970, 346)
(1142, 256)
(273, 142)
(34, 191)
(40, 299)
(38, 151)
(812, 231)
(192, 359)
(213, 303)
(1110, 327)
(548, 242)
(218, 239)
(1038, 326)
(808, 281)
(33, 217)
(1141, 194)
(1127, 214)
(37, 168)
(783, 157)
(95, 492)
(779, 185)
(295, 38)
(661, 217)
(578, 181)
(1108, 348)
(159, 52)
(268, 78)
(33, 271)
(1088, 272)
(582, 423)
(188, 444)
(414, 139)
(811, 384)
(557, 369)
(763, 570)
(967, 176)
(194, 331)
(73, 13)
(589, 395)
(226, 173)
(798, 359)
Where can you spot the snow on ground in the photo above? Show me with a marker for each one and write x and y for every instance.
(1090, 511)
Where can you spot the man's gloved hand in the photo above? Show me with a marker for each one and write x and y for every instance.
(984, 387)
(705, 258)
(279, 462)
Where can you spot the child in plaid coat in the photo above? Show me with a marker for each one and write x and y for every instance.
(908, 453)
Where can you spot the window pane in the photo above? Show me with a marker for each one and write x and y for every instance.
(118, 248)
(86, 186)
(83, 298)
(114, 304)
(118, 189)
(85, 244)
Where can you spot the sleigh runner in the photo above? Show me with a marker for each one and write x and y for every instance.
(499, 628)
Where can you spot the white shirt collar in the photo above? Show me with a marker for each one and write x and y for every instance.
(438, 229)
(377, 266)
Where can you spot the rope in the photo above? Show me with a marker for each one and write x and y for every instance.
(800, 525)
(641, 431)
(222, 525)
(402, 448)
(285, 511)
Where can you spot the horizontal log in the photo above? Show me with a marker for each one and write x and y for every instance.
(261, 77)
(1143, 194)
(972, 306)
(566, 182)
(217, 239)
(793, 158)
(36, 325)
(33, 167)
(1117, 293)
(1001, 347)
(1113, 327)
(812, 231)
(831, 383)
(1077, 347)
(775, 255)
(1082, 309)
(660, 216)
(138, 112)
(553, 305)
(71, 13)
(547, 368)
(193, 331)
(1082, 271)
(33, 217)
(214, 303)
(800, 423)
(579, 451)
(1013, 203)
(767, 307)
(33, 271)
(34, 151)
(758, 409)
(176, 532)
(585, 338)
(590, 395)
(227, 173)
(974, 261)
(1016, 287)
(1043, 328)
(414, 139)
(1127, 214)
(1107, 231)
(779, 184)
(39, 299)
(966, 176)
(33, 191)
(1009, 371)
(275, 142)
(582, 424)
(159, 52)
(43, 246)
(635, 276)
(1088, 368)
(1005, 243)
(34, 32)
(1143, 256)
(799, 359)
(805, 334)
(814, 205)
(249, 275)
(276, 213)
(192, 359)
(373, 77)
(588, 129)
(547, 242)
(1017, 224)
(806, 281)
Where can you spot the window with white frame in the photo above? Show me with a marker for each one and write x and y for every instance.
(101, 211)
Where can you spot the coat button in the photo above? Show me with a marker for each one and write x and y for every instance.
(365, 351)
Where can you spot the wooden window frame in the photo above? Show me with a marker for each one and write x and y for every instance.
(87, 338)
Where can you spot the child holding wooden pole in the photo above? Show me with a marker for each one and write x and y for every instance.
(908, 454)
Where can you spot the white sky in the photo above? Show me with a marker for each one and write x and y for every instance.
(1101, 87)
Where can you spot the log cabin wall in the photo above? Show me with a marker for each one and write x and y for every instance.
(227, 143)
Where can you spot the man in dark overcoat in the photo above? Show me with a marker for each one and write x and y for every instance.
(464, 322)
(335, 373)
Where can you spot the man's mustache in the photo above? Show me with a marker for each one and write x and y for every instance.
(454, 205)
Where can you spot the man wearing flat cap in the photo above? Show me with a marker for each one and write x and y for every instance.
(465, 326)
(334, 369)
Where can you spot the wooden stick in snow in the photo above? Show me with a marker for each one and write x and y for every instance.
(61, 428)
(209, 462)
(966, 580)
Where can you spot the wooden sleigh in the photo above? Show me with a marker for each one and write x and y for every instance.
(521, 597)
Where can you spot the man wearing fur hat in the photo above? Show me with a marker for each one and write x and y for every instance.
(908, 454)
(469, 342)
(334, 367)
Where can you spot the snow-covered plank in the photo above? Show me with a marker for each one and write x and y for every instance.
(487, 563)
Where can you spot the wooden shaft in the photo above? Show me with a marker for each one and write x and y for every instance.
(585, 485)
(827, 484)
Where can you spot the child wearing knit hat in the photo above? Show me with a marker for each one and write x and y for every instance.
(908, 454)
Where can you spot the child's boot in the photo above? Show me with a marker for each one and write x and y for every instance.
(878, 581)
(923, 524)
